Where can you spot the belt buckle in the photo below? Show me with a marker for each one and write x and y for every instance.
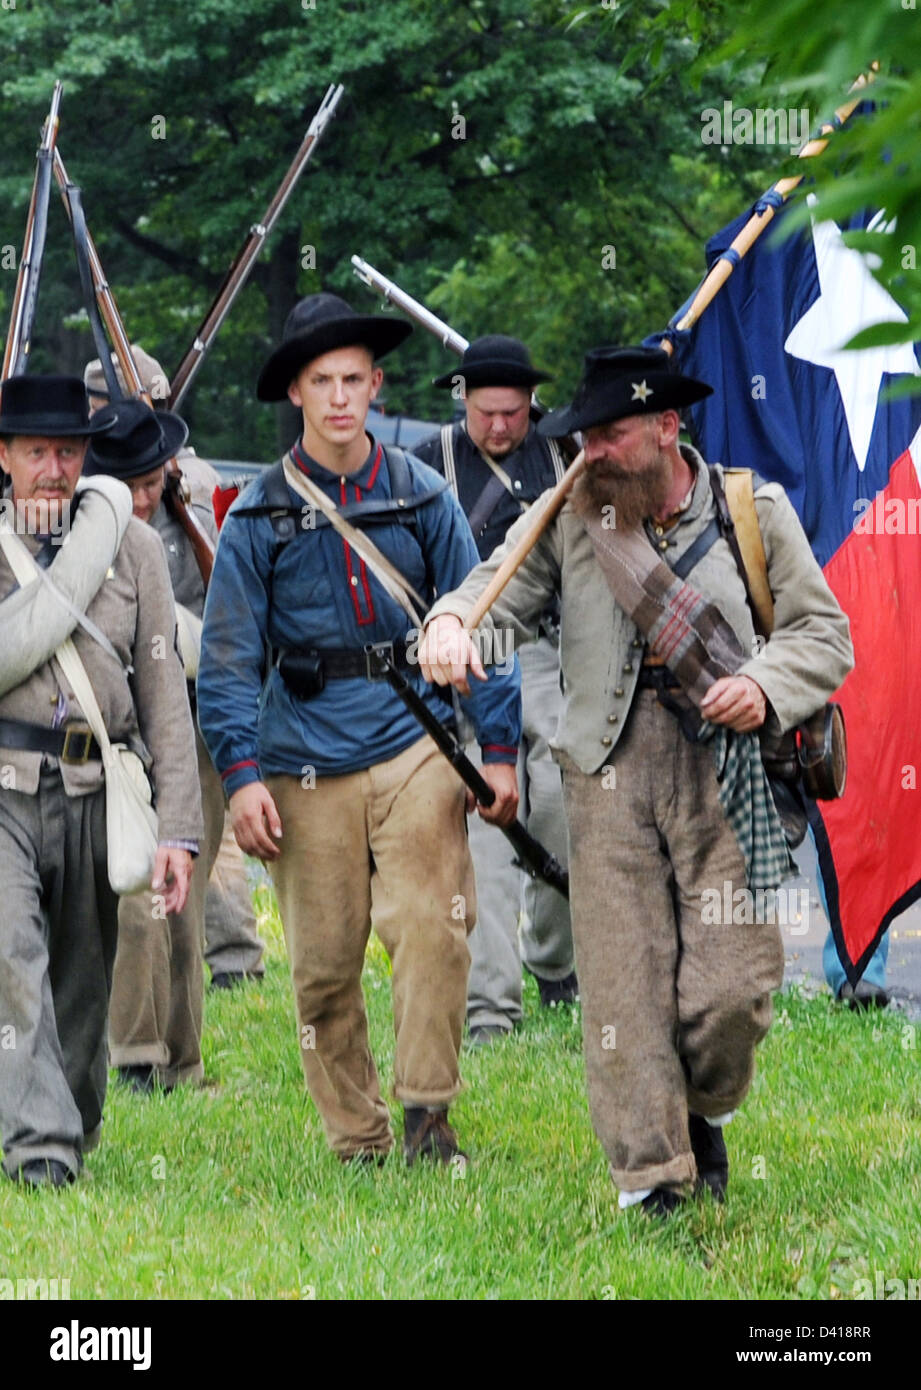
(371, 649)
(76, 731)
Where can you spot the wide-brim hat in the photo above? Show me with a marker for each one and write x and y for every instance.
(54, 407)
(138, 440)
(153, 378)
(320, 323)
(617, 382)
(494, 360)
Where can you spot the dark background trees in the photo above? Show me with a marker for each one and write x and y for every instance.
(518, 165)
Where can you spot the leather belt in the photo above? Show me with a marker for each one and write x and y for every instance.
(657, 676)
(74, 744)
(347, 663)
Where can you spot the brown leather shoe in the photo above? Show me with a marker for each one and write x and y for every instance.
(427, 1134)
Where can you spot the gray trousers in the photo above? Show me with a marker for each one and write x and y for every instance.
(232, 942)
(157, 992)
(503, 891)
(58, 925)
(672, 1003)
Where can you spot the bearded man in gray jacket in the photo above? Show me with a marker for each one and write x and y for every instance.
(108, 589)
(666, 689)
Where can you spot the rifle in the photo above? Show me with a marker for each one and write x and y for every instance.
(176, 494)
(390, 291)
(532, 856)
(239, 271)
(25, 297)
(446, 335)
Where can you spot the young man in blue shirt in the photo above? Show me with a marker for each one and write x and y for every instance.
(330, 780)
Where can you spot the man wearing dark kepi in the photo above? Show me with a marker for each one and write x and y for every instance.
(108, 590)
(667, 801)
(497, 465)
(330, 780)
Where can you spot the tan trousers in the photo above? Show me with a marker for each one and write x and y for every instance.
(155, 1013)
(673, 1006)
(387, 845)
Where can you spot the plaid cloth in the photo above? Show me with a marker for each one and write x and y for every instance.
(699, 647)
(745, 796)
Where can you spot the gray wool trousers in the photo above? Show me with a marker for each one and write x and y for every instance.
(504, 892)
(58, 925)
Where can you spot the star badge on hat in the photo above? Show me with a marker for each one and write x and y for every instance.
(640, 391)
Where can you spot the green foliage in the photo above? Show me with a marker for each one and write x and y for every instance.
(484, 156)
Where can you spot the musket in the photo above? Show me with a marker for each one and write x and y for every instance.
(25, 297)
(240, 270)
(176, 493)
(390, 291)
(532, 856)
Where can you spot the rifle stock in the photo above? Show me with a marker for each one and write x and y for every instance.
(240, 270)
(175, 493)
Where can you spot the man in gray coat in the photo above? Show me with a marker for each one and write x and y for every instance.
(670, 815)
(59, 919)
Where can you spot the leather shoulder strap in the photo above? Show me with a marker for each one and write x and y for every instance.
(447, 454)
(740, 496)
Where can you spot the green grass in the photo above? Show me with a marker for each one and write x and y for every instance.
(230, 1192)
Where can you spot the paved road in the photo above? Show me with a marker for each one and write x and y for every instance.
(804, 949)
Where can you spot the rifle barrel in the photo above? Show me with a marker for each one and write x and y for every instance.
(533, 857)
(25, 296)
(391, 292)
(245, 259)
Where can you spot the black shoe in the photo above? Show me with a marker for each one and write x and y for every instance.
(553, 992)
(863, 996)
(484, 1034)
(709, 1148)
(427, 1134)
(45, 1172)
(140, 1079)
(662, 1201)
(229, 979)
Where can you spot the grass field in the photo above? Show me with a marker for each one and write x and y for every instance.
(230, 1192)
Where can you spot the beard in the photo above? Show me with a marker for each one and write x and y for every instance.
(634, 494)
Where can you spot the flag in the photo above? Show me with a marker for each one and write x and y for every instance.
(791, 405)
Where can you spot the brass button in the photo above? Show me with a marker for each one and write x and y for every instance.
(659, 531)
(628, 668)
(606, 741)
(637, 642)
(663, 545)
(354, 579)
(619, 690)
(612, 718)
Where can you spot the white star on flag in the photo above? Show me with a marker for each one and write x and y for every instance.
(640, 390)
(850, 300)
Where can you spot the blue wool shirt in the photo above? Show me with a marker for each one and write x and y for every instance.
(315, 591)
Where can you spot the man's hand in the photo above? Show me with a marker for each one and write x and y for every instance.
(172, 872)
(256, 821)
(737, 701)
(503, 778)
(445, 653)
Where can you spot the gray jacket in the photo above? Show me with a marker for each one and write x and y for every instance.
(148, 710)
(804, 662)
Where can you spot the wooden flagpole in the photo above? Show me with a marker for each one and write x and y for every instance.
(705, 295)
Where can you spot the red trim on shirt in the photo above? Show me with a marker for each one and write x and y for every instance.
(375, 467)
(247, 762)
(499, 748)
